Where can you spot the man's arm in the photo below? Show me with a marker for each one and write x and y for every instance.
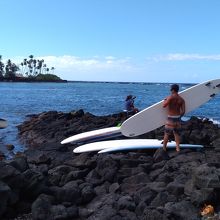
(166, 102)
(183, 108)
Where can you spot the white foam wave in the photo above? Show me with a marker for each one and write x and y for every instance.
(215, 121)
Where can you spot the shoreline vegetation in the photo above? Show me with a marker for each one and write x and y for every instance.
(43, 78)
(29, 70)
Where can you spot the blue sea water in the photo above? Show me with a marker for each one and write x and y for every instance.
(21, 99)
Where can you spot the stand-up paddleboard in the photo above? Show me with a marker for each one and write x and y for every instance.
(140, 144)
(99, 134)
(128, 144)
(3, 123)
(155, 116)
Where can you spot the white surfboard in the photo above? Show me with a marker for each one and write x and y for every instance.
(3, 123)
(155, 116)
(127, 144)
(99, 134)
(140, 144)
(100, 145)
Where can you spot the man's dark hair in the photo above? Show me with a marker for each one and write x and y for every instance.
(174, 87)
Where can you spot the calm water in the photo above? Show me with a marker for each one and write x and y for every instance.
(21, 99)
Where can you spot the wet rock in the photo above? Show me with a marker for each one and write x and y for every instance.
(62, 212)
(87, 194)
(206, 177)
(160, 155)
(216, 144)
(78, 113)
(11, 176)
(102, 207)
(10, 147)
(137, 179)
(203, 196)
(41, 208)
(162, 198)
(126, 202)
(20, 163)
(59, 174)
(114, 188)
(2, 156)
(145, 194)
(183, 210)
(103, 168)
(34, 184)
(5, 194)
(152, 214)
(175, 188)
(68, 193)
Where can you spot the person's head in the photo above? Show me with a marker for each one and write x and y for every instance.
(128, 97)
(174, 88)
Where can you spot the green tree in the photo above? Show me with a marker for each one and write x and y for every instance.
(24, 67)
(32, 68)
(10, 69)
(44, 68)
(47, 77)
(1, 67)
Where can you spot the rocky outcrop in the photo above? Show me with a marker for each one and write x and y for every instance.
(51, 182)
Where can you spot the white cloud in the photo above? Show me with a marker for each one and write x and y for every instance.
(93, 68)
(111, 68)
(94, 63)
(184, 57)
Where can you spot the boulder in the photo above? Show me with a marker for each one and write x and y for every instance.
(205, 176)
(5, 194)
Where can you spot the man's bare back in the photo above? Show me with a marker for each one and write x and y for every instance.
(175, 105)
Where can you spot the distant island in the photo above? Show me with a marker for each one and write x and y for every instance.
(29, 70)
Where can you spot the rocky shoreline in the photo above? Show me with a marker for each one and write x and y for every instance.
(48, 181)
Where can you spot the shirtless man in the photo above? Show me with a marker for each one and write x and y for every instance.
(176, 109)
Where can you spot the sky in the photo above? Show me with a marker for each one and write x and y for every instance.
(116, 40)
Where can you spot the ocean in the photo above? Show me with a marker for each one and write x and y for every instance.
(99, 98)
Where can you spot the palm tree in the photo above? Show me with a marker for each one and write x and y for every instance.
(34, 67)
(40, 65)
(52, 69)
(22, 67)
(44, 68)
(25, 66)
(1, 67)
(10, 69)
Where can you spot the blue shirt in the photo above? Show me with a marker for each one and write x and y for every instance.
(129, 105)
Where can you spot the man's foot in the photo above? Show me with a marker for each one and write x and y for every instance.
(177, 149)
(164, 148)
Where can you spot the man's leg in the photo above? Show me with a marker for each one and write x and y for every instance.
(177, 140)
(165, 140)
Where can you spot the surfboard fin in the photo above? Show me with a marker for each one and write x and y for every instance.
(208, 84)
(212, 95)
(169, 140)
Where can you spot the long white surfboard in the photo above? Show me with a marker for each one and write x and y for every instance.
(155, 116)
(3, 123)
(127, 144)
(99, 134)
(140, 144)
(100, 145)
